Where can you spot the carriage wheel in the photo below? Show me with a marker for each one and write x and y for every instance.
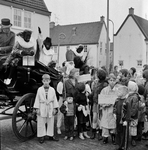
(24, 122)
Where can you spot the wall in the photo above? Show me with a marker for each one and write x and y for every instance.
(37, 21)
(129, 45)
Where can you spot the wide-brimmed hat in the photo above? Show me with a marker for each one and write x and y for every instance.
(5, 23)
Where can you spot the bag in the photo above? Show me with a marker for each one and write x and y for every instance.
(63, 109)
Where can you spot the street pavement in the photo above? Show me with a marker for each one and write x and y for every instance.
(10, 142)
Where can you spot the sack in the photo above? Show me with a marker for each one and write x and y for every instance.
(63, 109)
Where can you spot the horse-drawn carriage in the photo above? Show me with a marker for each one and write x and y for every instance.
(20, 96)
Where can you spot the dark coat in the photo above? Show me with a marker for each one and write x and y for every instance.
(131, 107)
(81, 100)
(96, 91)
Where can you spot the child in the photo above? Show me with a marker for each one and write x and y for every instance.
(82, 111)
(120, 129)
(46, 106)
(108, 122)
(141, 113)
(131, 111)
(69, 117)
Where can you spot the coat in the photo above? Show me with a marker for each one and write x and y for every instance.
(108, 120)
(46, 106)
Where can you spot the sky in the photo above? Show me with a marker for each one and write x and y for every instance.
(64, 12)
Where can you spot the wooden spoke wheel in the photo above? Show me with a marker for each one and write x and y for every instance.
(24, 122)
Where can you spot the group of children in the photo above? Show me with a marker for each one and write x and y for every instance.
(78, 103)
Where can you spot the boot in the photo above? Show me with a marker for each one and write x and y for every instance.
(133, 142)
(100, 135)
(113, 139)
(86, 135)
(93, 134)
(105, 140)
(81, 136)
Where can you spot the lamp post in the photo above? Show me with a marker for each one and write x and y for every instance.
(107, 38)
(113, 43)
(61, 36)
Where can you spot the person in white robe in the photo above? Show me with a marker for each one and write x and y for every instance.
(46, 52)
(46, 106)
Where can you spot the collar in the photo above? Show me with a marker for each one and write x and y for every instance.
(25, 44)
(48, 52)
(78, 54)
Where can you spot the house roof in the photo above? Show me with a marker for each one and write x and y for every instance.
(85, 33)
(38, 6)
(141, 23)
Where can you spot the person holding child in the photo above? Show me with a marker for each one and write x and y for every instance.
(69, 111)
(46, 106)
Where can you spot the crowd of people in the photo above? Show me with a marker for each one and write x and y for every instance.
(80, 104)
(124, 117)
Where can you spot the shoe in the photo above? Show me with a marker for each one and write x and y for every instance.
(86, 135)
(59, 131)
(53, 138)
(41, 140)
(93, 134)
(66, 137)
(133, 143)
(105, 141)
(71, 138)
(81, 136)
(100, 135)
(113, 139)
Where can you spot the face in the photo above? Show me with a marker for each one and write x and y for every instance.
(47, 45)
(112, 82)
(27, 36)
(76, 75)
(70, 100)
(46, 82)
(6, 30)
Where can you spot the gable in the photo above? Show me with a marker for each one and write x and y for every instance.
(140, 22)
(38, 6)
(86, 33)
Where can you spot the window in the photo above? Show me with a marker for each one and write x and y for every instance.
(120, 63)
(139, 63)
(22, 18)
(17, 17)
(67, 48)
(85, 48)
(100, 48)
(27, 19)
(55, 49)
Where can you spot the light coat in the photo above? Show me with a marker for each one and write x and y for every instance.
(46, 106)
(108, 120)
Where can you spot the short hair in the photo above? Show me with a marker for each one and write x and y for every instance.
(101, 74)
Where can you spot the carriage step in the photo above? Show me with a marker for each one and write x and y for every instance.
(3, 97)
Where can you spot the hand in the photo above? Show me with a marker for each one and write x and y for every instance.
(79, 108)
(65, 103)
(39, 30)
(55, 111)
(24, 53)
(31, 53)
(38, 111)
(125, 123)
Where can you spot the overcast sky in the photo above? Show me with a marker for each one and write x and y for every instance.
(82, 11)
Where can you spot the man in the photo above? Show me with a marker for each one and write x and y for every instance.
(25, 45)
(7, 39)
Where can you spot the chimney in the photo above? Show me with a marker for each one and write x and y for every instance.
(102, 19)
(52, 25)
(131, 11)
